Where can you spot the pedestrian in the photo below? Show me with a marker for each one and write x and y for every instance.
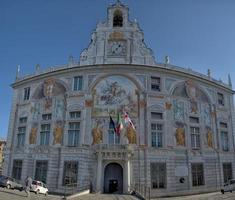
(28, 183)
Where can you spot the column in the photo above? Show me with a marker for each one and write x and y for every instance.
(99, 172)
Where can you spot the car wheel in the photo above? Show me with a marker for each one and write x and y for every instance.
(8, 186)
(21, 189)
(37, 192)
(231, 191)
(46, 193)
(222, 191)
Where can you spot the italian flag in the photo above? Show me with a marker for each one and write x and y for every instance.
(119, 126)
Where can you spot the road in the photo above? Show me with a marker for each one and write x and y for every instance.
(6, 194)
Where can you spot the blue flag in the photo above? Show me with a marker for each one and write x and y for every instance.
(112, 124)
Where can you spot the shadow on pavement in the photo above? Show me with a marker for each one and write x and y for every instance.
(13, 193)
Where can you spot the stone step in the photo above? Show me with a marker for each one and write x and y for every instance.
(106, 197)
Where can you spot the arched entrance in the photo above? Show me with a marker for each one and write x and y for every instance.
(113, 178)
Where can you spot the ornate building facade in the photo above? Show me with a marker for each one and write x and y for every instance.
(60, 133)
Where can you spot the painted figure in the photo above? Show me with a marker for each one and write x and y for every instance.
(33, 135)
(131, 135)
(58, 133)
(97, 134)
(180, 136)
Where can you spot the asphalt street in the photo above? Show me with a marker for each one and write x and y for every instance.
(6, 194)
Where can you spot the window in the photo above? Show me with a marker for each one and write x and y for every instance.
(220, 99)
(46, 117)
(156, 115)
(158, 175)
(117, 19)
(155, 84)
(75, 115)
(224, 136)
(114, 138)
(17, 169)
(21, 136)
(41, 171)
(77, 83)
(224, 140)
(157, 133)
(227, 170)
(70, 172)
(23, 120)
(194, 120)
(195, 137)
(223, 125)
(197, 174)
(73, 133)
(26, 93)
(45, 134)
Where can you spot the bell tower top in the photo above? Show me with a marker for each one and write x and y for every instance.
(118, 15)
(117, 41)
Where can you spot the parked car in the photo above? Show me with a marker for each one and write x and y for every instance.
(39, 187)
(229, 186)
(10, 183)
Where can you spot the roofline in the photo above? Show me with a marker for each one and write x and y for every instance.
(163, 67)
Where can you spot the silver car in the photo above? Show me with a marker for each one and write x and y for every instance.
(10, 183)
(228, 186)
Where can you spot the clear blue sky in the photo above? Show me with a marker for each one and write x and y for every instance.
(199, 34)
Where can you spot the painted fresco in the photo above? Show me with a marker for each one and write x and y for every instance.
(178, 110)
(113, 95)
(207, 115)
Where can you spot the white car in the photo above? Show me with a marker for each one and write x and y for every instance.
(39, 187)
(229, 186)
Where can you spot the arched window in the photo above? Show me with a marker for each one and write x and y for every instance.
(117, 19)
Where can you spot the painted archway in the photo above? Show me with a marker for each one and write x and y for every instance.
(113, 178)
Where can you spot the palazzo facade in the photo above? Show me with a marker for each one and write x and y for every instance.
(60, 133)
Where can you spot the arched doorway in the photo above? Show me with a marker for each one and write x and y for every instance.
(113, 178)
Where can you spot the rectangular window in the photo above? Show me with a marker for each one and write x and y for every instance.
(197, 174)
(23, 120)
(75, 115)
(41, 171)
(155, 84)
(156, 115)
(194, 120)
(73, 134)
(77, 83)
(21, 136)
(70, 173)
(224, 140)
(45, 134)
(113, 137)
(157, 134)
(46, 117)
(158, 175)
(220, 99)
(227, 170)
(223, 125)
(26, 93)
(195, 137)
(17, 169)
